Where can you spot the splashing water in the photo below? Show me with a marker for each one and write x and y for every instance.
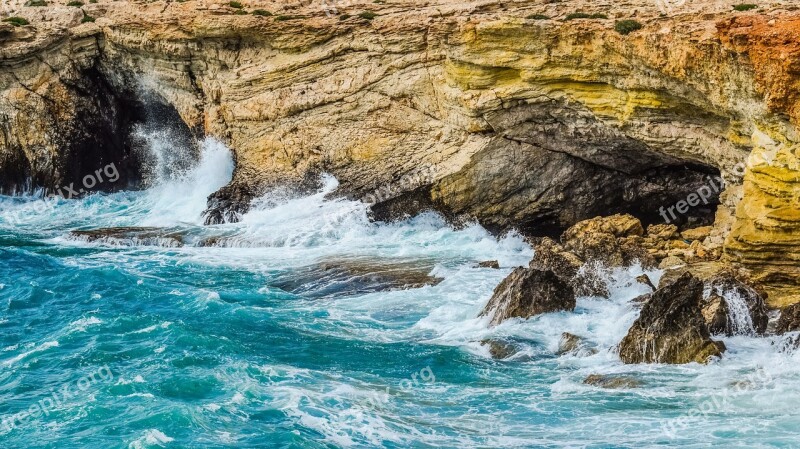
(297, 327)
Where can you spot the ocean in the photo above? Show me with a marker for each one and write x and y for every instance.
(305, 325)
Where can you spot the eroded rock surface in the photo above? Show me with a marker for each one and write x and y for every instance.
(464, 106)
(528, 292)
(671, 328)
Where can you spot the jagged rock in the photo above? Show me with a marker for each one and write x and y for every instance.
(641, 299)
(573, 344)
(489, 264)
(527, 292)
(499, 349)
(671, 328)
(715, 313)
(585, 280)
(645, 279)
(671, 262)
(697, 233)
(789, 320)
(662, 232)
(129, 236)
(726, 285)
(615, 241)
(612, 382)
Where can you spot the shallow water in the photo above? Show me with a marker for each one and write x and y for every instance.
(300, 329)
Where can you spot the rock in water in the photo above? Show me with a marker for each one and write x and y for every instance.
(489, 264)
(715, 313)
(746, 312)
(499, 349)
(671, 328)
(789, 320)
(612, 382)
(527, 292)
(575, 345)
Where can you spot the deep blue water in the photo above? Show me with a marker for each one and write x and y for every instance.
(300, 330)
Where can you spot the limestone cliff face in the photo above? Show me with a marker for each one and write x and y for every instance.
(520, 123)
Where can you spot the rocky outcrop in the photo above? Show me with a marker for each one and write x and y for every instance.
(671, 328)
(746, 309)
(789, 320)
(528, 292)
(466, 107)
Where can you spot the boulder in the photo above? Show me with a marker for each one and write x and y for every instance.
(746, 311)
(528, 292)
(671, 328)
(789, 320)
(586, 280)
(615, 241)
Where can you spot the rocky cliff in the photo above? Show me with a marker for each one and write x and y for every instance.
(517, 114)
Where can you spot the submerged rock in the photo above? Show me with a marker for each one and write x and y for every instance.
(349, 277)
(671, 328)
(612, 382)
(527, 292)
(499, 349)
(133, 236)
(573, 344)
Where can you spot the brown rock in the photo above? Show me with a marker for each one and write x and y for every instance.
(528, 292)
(614, 241)
(489, 264)
(573, 344)
(670, 262)
(662, 231)
(549, 255)
(789, 320)
(645, 279)
(671, 328)
(499, 349)
(697, 233)
(612, 382)
(738, 295)
(715, 313)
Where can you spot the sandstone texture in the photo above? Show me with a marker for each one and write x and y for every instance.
(466, 107)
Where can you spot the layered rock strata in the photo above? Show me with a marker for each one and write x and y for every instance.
(470, 108)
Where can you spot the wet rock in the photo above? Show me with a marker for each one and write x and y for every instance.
(789, 320)
(586, 280)
(573, 344)
(715, 313)
(133, 236)
(730, 288)
(641, 299)
(350, 277)
(645, 279)
(671, 328)
(489, 264)
(612, 382)
(499, 349)
(528, 292)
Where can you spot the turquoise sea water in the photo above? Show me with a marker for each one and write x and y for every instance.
(294, 331)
